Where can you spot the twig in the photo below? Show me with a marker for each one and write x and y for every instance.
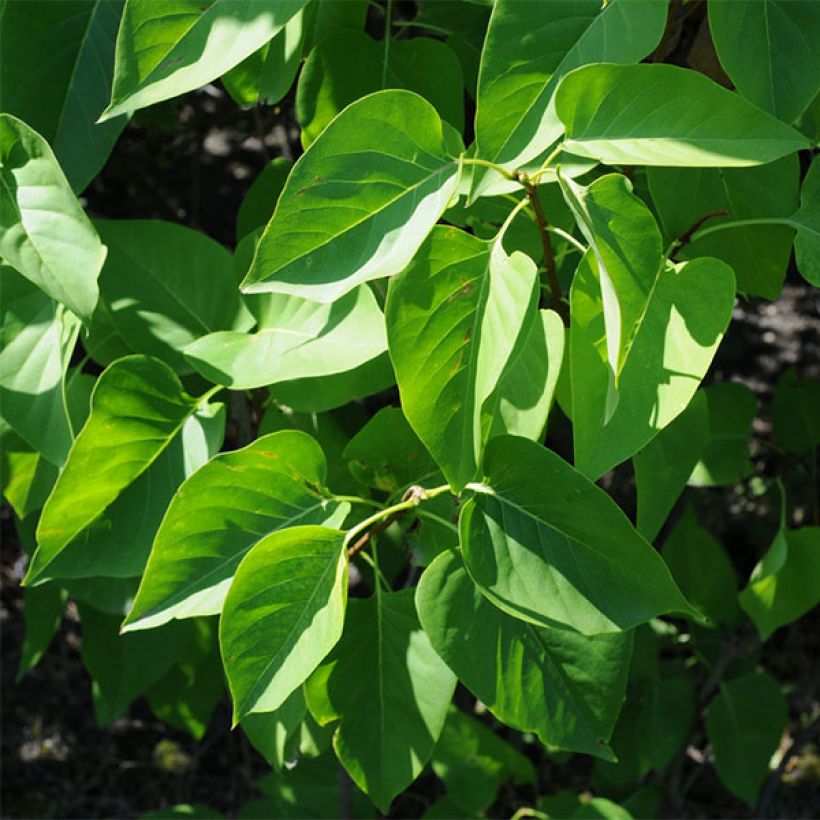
(686, 237)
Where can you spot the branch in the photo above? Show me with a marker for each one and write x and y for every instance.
(686, 237)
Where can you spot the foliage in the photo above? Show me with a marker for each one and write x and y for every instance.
(579, 260)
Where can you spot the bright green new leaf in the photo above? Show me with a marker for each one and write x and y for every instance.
(769, 49)
(137, 407)
(687, 313)
(381, 175)
(530, 47)
(725, 458)
(259, 201)
(626, 242)
(389, 691)
(453, 320)
(666, 115)
(283, 613)
(744, 724)
(807, 221)
(533, 678)
(219, 513)
(58, 59)
(44, 233)
(758, 254)
(165, 49)
(164, 286)
(347, 65)
(298, 339)
(548, 546)
(37, 338)
(43, 611)
(786, 583)
(664, 465)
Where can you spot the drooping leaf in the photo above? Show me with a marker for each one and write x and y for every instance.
(807, 221)
(688, 311)
(548, 546)
(347, 65)
(381, 175)
(530, 47)
(383, 674)
(58, 59)
(453, 319)
(298, 338)
(165, 285)
(769, 49)
(282, 615)
(744, 724)
(565, 687)
(38, 337)
(138, 406)
(259, 201)
(217, 516)
(166, 49)
(758, 254)
(666, 115)
(43, 608)
(44, 233)
(664, 465)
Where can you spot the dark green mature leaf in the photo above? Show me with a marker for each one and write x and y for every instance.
(548, 546)
(271, 641)
(530, 47)
(58, 59)
(453, 319)
(666, 115)
(769, 49)
(744, 725)
(298, 338)
(270, 732)
(137, 407)
(786, 582)
(217, 516)
(758, 254)
(38, 337)
(668, 717)
(44, 232)
(381, 175)
(725, 458)
(259, 201)
(166, 49)
(689, 309)
(796, 413)
(43, 612)
(807, 221)
(565, 687)
(347, 65)
(390, 692)
(165, 285)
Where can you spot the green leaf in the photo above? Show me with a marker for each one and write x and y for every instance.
(137, 407)
(668, 715)
(687, 313)
(271, 641)
(270, 732)
(26, 477)
(164, 286)
(217, 516)
(267, 75)
(453, 320)
(383, 675)
(347, 65)
(530, 47)
(474, 763)
(259, 201)
(759, 254)
(166, 49)
(796, 413)
(626, 242)
(786, 583)
(744, 724)
(381, 175)
(666, 115)
(725, 459)
(531, 678)
(548, 546)
(769, 50)
(664, 465)
(387, 455)
(807, 221)
(58, 59)
(38, 337)
(298, 338)
(702, 569)
(43, 612)
(44, 232)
